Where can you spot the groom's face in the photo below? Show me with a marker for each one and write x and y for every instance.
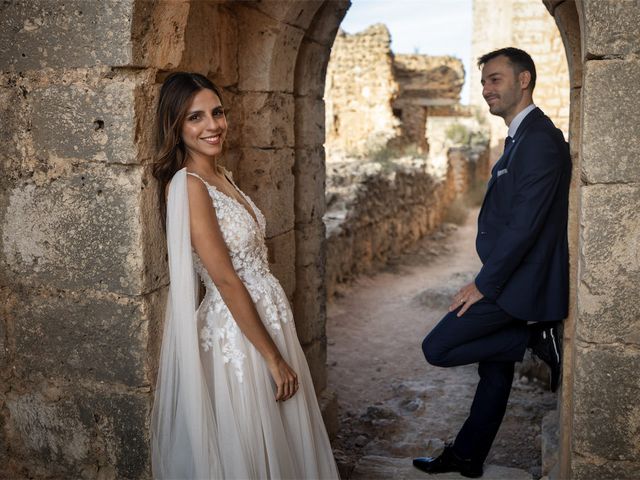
(501, 87)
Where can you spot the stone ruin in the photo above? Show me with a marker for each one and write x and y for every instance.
(385, 189)
(82, 269)
(374, 97)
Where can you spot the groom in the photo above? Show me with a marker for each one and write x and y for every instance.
(521, 292)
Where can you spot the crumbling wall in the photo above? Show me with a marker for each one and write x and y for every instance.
(359, 91)
(377, 99)
(377, 211)
(425, 82)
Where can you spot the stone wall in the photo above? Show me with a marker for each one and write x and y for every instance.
(377, 211)
(82, 260)
(359, 90)
(525, 24)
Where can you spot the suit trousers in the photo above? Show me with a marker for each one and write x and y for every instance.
(486, 335)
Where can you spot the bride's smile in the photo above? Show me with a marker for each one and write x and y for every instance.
(205, 126)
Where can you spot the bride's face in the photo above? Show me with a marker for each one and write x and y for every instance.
(205, 126)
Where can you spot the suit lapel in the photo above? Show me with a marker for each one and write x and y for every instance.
(504, 160)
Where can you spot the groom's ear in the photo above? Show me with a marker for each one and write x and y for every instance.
(524, 78)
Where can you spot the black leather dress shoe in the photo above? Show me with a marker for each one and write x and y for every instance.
(546, 346)
(448, 461)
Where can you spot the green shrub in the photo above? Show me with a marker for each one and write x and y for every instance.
(458, 134)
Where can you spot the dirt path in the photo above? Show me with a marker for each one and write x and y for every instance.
(392, 403)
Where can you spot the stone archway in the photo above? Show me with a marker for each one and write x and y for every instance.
(83, 272)
(597, 406)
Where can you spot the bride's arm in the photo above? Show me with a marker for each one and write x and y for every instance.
(209, 244)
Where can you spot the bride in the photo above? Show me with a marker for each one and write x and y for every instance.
(234, 397)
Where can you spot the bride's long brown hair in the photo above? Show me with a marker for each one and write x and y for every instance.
(175, 97)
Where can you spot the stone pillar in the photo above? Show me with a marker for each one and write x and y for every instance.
(360, 90)
(309, 301)
(605, 416)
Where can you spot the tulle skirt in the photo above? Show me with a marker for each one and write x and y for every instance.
(259, 438)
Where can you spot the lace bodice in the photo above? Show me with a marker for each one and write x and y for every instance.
(244, 236)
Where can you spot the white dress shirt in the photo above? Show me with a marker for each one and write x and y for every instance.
(517, 120)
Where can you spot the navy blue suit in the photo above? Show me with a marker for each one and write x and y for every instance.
(522, 226)
(522, 242)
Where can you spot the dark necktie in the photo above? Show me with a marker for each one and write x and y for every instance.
(507, 142)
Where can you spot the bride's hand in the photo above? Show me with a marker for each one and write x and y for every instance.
(285, 378)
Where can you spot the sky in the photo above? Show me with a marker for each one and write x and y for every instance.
(431, 27)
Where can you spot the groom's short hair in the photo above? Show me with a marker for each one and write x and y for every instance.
(519, 59)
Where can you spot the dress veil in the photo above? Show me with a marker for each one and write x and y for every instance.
(183, 426)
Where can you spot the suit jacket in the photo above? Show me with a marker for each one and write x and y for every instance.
(522, 226)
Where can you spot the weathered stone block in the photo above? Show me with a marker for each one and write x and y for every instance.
(70, 34)
(267, 51)
(575, 132)
(154, 315)
(310, 122)
(311, 71)
(72, 435)
(292, 13)
(212, 51)
(91, 122)
(146, 93)
(309, 170)
(265, 175)
(328, 403)
(583, 469)
(97, 338)
(158, 32)
(80, 231)
(610, 151)
(4, 450)
(610, 241)
(310, 243)
(325, 25)
(606, 414)
(282, 262)
(13, 130)
(610, 27)
(267, 120)
(309, 305)
(155, 269)
(316, 354)
(234, 112)
(3, 345)
(552, 4)
(566, 17)
(9, 302)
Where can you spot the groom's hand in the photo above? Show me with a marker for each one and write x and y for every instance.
(466, 296)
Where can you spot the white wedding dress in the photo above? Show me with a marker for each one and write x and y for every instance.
(215, 414)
